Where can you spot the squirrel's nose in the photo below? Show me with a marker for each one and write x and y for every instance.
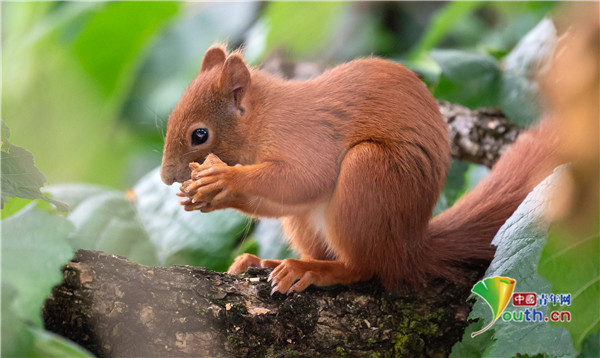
(168, 181)
(167, 177)
(172, 173)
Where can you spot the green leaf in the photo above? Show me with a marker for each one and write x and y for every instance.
(519, 97)
(519, 244)
(180, 237)
(106, 220)
(34, 247)
(475, 174)
(533, 51)
(591, 346)
(441, 23)
(248, 245)
(20, 177)
(467, 78)
(147, 225)
(476, 80)
(13, 206)
(572, 265)
(473, 347)
(122, 28)
(19, 339)
(16, 338)
(301, 27)
(462, 176)
(440, 205)
(74, 194)
(48, 344)
(456, 181)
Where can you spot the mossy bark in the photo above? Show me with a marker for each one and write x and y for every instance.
(116, 308)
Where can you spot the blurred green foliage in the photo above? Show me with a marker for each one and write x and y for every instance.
(88, 87)
(316, 32)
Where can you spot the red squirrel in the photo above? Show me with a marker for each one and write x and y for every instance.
(353, 163)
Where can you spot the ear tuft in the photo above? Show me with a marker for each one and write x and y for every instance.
(214, 56)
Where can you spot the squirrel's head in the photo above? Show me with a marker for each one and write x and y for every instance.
(208, 115)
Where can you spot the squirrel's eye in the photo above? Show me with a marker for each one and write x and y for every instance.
(199, 136)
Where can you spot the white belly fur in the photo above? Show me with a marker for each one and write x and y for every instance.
(317, 219)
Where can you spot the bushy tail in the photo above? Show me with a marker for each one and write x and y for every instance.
(462, 234)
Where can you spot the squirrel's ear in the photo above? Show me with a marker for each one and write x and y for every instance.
(213, 56)
(235, 79)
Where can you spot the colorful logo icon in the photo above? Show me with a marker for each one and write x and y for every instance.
(496, 292)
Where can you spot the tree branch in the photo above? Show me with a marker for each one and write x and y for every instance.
(478, 135)
(114, 307)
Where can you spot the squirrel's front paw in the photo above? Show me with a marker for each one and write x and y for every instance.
(211, 186)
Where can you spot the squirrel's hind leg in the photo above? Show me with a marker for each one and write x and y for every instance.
(244, 261)
(380, 209)
(294, 275)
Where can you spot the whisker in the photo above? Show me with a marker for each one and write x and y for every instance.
(188, 152)
(159, 122)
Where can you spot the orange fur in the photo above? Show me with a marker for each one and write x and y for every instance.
(353, 161)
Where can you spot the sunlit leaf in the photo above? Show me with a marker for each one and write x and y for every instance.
(20, 177)
(572, 265)
(13, 206)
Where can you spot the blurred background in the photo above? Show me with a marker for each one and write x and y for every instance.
(87, 87)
